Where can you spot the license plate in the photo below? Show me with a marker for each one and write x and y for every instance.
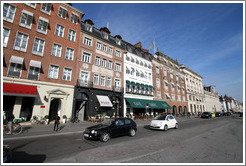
(86, 135)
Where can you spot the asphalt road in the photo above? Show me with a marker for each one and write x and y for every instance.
(217, 140)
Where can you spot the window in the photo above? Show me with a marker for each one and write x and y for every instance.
(26, 19)
(141, 63)
(117, 67)
(97, 60)
(109, 82)
(86, 57)
(179, 98)
(118, 41)
(69, 54)
(103, 80)
(59, 30)
(8, 12)
(67, 74)
(5, 36)
(157, 83)
(132, 71)
(183, 90)
(117, 53)
(104, 62)
(33, 5)
(110, 50)
(149, 66)
(87, 41)
(56, 50)
(137, 73)
(14, 70)
(157, 70)
(177, 78)
(110, 64)
(105, 48)
(71, 35)
(167, 96)
(117, 83)
(84, 76)
(172, 87)
(53, 71)
(149, 76)
(74, 18)
(62, 12)
(105, 35)
(42, 25)
(127, 70)
(142, 75)
(178, 89)
(137, 61)
(171, 76)
(173, 97)
(33, 73)
(38, 47)
(88, 27)
(99, 46)
(145, 64)
(96, 79)
(166, 86)
(21, 41)
(159, 95)
(183, 98)
(46, 8)
(165, 73)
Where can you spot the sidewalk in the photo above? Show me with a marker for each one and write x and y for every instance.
(37, 131)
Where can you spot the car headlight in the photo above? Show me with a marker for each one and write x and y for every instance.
(94, 132)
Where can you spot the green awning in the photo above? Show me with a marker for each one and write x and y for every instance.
(153, 104)
(128, 82)
(133, 83)
(138, 84)
(146, 86)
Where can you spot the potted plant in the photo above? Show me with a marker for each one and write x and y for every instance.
(47, 118)
(64, 118)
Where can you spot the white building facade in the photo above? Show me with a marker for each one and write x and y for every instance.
(212, 103)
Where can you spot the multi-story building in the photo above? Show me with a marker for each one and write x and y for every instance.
(40, 45)
(99, 88)
(212, 101)
(194, 90)
(223, 104)
(169, 83)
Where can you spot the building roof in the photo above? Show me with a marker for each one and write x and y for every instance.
(182, 66)
(137, 51)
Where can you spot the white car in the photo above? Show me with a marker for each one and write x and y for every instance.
(164, 122)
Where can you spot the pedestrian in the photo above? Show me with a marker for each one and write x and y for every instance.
(57, 122)
(9, 118)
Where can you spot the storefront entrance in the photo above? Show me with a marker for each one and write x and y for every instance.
(55, 107)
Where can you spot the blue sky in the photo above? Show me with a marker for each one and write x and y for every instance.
(206, 37)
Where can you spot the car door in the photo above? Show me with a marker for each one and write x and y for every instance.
(171, 121)
(118, 128)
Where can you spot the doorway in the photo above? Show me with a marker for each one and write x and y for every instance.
(26, 108)
(55, 106)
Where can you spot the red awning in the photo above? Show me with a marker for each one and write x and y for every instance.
(19, 90)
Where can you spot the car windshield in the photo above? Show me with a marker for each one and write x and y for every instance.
(107, 122)
(160, 117)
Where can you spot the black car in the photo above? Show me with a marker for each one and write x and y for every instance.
(111, 128)
(240, 114)
(218, 114)
(206, 115)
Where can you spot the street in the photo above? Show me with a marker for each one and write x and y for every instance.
(216, 140)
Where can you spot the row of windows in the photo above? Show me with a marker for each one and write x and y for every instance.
(105, 48)
(165, 74)
(138, 89)
(173, 96)
(167, 86)
(86, 57)
(9, 13)
(137, 61)
(15, 70)
(138, 73)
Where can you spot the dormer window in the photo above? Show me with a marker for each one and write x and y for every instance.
(88, 27)
(118, 41)
(105, 35)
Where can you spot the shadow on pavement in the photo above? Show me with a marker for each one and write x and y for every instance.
(23, 157)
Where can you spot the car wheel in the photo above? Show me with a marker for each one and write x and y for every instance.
(104, 137)
(132, 132)
(165, 128)
(176, 126)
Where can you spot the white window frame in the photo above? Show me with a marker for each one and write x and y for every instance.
(105, 48)
(87, 41)
(28, 19)
(15, 69)
(46, 7)
(33, 71)
(158, 94)
(83, 75)
(6, 37)
(62, 9)
(173, 97)
(117, 66)
(39, 44)
(110, 64)
(30, 4)
(86, 57)
(97, 79)
(157, 70)
(74, 18)
(9, 11)
(55, 49)
(71, 35)
(109, 80)
(67, 73)
(99, 45)
(103, 81)
(97, 60)
(105, 35)
(45, 25)
(104, 62)
(88, 27)
(53, 70)
(110, 50)
(117, 53)
(119, 83)
(21, 41)
(158, 84)
(118, 41)
(59, 29)
(172, 87)
(69, 54)
(166, 85)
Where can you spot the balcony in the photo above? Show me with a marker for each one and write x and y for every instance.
(14, 74)
(83, 83)
(32, 77)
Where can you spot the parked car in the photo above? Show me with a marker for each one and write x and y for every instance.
(164, 122)
(218, 114)
(240, 114)
(206, 115)
(111, 128)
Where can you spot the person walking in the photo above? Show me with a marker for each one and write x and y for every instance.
(9, 118)
(57, 122)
